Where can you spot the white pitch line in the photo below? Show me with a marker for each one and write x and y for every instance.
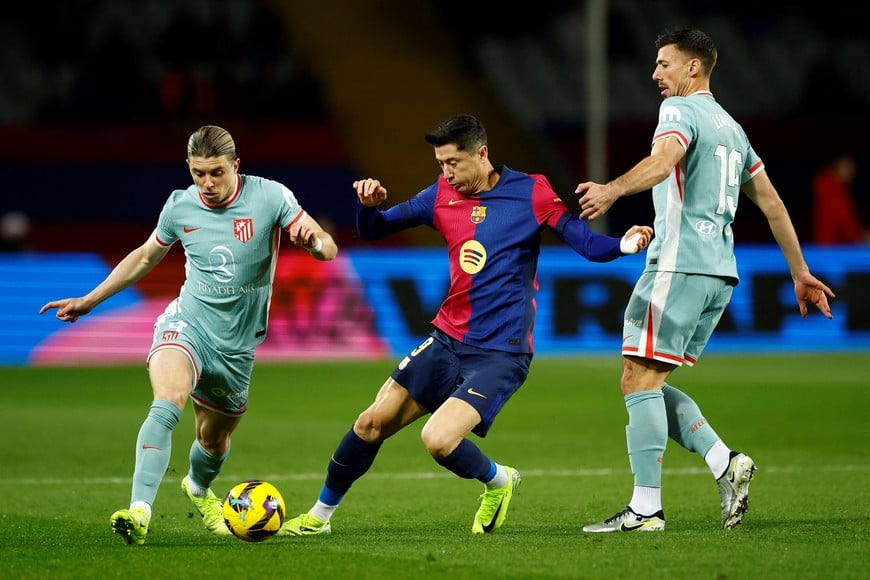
(603, 472)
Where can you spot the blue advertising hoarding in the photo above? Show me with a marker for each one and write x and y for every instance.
(377, 303)
(580, 304)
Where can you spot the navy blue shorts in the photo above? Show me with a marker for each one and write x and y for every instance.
(442, 367)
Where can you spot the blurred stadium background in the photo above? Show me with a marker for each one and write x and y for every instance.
(98, 98)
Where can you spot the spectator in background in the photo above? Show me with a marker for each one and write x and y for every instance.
(112, 85)
(14, 231)
(835, 213)
(187, 87)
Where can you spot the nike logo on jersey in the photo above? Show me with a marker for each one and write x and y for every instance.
(151, 447)
(475, 393)
(455, 201)
(189, 230)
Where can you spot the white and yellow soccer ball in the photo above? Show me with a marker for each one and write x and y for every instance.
(254, 510)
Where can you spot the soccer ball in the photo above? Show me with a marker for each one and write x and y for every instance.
(254, 510)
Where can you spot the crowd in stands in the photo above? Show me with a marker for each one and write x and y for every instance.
(95, 60)
(81, 62)
(793, 71)
(85, 60)
(776, 60)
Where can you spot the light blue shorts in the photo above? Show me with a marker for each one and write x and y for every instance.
(671, 316)
(220, 380)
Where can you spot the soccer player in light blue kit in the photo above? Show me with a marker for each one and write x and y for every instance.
(229, 225)
(700, 162)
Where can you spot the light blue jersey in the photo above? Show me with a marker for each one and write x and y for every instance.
(231, 252)
(693, 216)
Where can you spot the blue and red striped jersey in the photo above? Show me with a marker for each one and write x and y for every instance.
(493, 241)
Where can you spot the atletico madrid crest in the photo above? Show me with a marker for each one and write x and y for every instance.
(243, 229)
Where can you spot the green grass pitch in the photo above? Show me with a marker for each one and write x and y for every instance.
(68, 437)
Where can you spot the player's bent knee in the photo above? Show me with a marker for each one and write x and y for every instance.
(367, 429)
(438, 445)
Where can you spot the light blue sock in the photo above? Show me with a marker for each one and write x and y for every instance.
(205, 467)
(686, 425)
(647, 436)
(153, 449)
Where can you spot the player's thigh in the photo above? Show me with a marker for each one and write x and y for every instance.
(488, 381)
(171, 373)
(718, 292)
(173, 333)
(431, 371)
(662, 315)
(447, 426)
(224, 382)
(393, 409)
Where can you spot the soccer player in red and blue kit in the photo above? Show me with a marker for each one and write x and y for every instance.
(481, 347)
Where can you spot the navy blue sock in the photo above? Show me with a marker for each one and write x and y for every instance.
(351, 459)
(468, 462)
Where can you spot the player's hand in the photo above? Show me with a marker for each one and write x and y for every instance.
(595, 199)
(68, 309)
(635, 239)
(808, 287)
(370, 192)
(303, 234)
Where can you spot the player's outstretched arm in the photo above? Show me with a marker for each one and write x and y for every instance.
(69, 309)
(128, 271)
(597, 247)
(806, 286)
(596, 199)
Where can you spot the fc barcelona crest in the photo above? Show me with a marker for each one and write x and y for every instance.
(478, 214)
(243, 229)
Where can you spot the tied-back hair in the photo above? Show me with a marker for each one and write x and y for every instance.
(693, 42)
(464, 131)
(211, 141)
